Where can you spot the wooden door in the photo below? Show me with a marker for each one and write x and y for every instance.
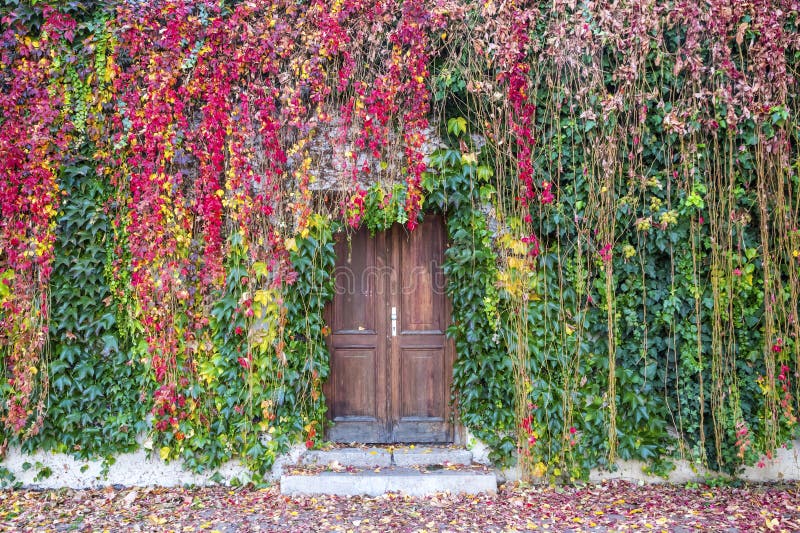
(391, 363)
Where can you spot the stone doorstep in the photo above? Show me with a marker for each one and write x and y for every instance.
(426, 455)
(409, 481)
(405, 456)
(356, 457)
(376, 471)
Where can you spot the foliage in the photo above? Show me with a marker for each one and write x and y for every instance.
(383, 208)
(484, 400)
(259, 386)
(94, 406)
(644, 169)
(619, 180)
(34, 135)
(301, 406)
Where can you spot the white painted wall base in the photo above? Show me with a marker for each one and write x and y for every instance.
(130, 470)
(138, 470)
(784, 466)
(480, 451)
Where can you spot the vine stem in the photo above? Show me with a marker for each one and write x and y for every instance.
(612, 365)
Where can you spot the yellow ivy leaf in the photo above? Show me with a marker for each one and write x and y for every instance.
(263, 297)
(157, 520)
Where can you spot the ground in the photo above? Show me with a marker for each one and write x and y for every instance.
(611, 506)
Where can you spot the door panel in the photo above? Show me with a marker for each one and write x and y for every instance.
(355, 287)
(390, 384)
(420, 277)
(356, 388)
(421, 371)
(420, 351)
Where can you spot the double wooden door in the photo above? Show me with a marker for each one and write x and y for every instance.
(391, 363)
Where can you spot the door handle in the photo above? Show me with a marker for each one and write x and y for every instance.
(394, 322)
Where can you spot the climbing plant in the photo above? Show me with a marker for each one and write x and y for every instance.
(619, 183)
(458, 186)
(94, 406)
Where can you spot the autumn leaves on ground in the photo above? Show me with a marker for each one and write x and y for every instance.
(614, 506)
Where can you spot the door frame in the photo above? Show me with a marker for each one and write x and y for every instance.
(387, 351)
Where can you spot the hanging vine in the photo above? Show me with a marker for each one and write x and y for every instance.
(619, 181)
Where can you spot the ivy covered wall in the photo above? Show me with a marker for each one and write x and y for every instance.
(620, 184)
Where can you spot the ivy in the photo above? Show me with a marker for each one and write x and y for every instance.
(300, 405)
(384, 208)
(621, 207)
(485, 402)
(94, 406)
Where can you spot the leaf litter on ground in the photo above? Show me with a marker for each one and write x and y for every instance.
(609, 506)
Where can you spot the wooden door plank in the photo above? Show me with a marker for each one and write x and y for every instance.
(394, 239)
(356, 389)
(420, 381)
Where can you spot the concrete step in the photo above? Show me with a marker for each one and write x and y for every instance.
(410, 481)
(430, 455)
(413, 470)
(357, 457)
(389, 456)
